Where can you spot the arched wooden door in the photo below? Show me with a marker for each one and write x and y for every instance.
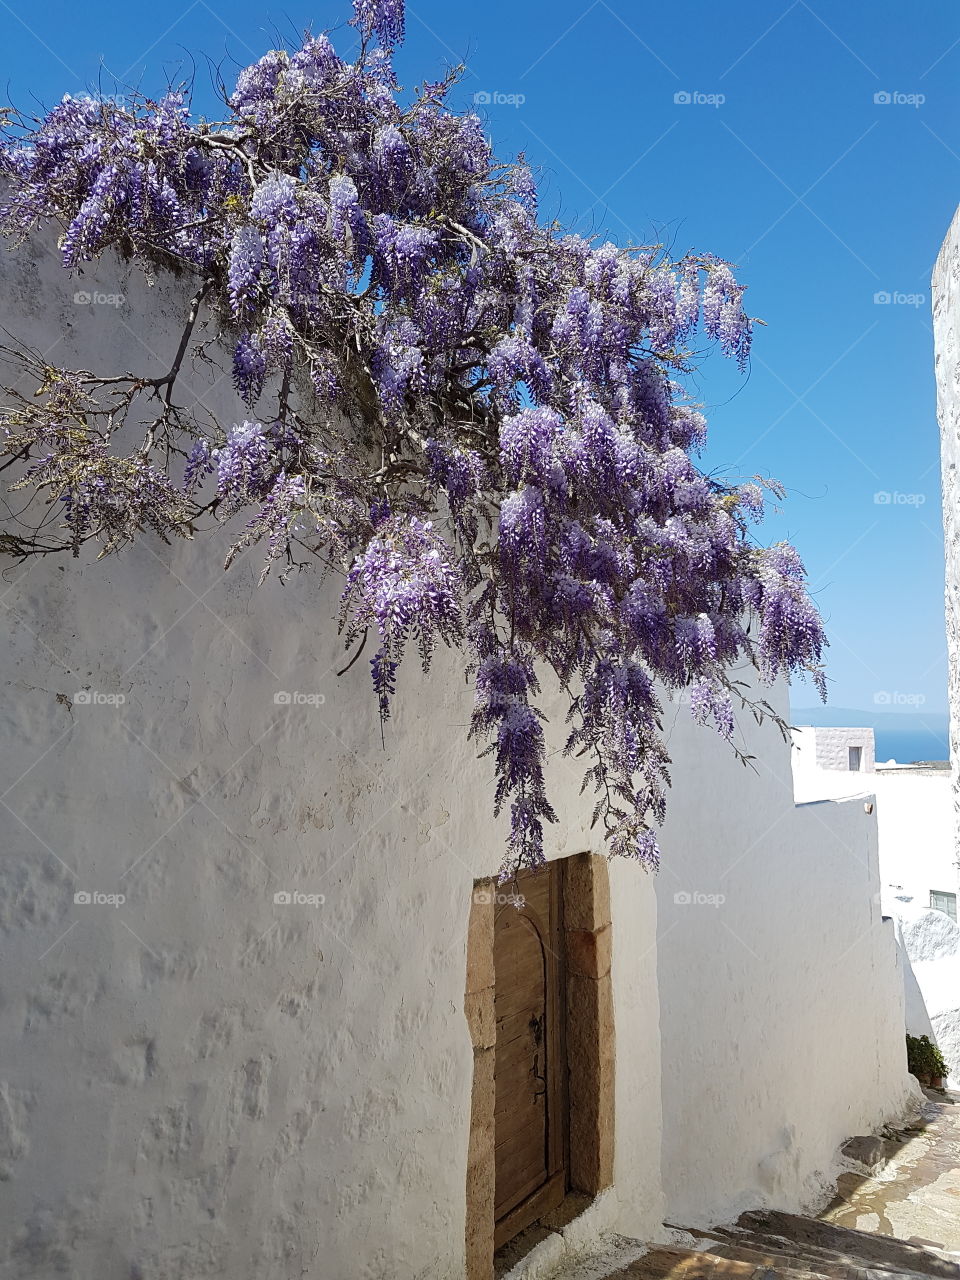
(530, 1117)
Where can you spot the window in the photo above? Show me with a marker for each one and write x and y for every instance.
(944, 902)
(854, 757)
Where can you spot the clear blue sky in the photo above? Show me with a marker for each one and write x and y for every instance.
(822, 195)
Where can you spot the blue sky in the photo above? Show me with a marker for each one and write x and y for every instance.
(816, 146)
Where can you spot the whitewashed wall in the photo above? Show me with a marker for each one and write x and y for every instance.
(914, 806)
(780, 993)
(915, 815)
(829, 748)
(916, 835)
(937, 944)
(203, 1082)
(931, 942)
(946, 340)
(200, 1081)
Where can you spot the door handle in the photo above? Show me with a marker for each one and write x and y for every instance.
(540, 1086)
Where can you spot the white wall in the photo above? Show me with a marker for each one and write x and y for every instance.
(202, 1082)
(829, 748)
(937, 944)
(916, 847)
(781, 1005)
(946, 337)
(931, 941)
(914, 806)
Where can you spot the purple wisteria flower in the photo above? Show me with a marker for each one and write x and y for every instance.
(483, 421)
(243, 463)
(275, 200)
(247, 260)
(382, 18)
(404, 585)
(199, 465)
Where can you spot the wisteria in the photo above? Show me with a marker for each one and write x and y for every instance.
(245, 267)
(243, 463)
(402, 584)
(475, 415)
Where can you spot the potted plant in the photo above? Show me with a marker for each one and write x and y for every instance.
(925, 1061)
(938, 1068)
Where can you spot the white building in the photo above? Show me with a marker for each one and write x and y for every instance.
(255, 1021)
(942, 951)
(946, 336)
(914, 806)
(919, 878)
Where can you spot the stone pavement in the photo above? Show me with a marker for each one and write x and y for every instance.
(916, 1195)
(899, 1214)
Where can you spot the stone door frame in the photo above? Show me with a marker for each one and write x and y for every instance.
(590, 1048)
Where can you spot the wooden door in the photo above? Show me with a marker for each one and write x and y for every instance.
(530, 1120)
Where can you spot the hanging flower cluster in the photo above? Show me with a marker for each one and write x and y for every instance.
(496, 450)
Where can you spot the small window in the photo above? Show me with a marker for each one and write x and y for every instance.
(854, 757)
(944, 902)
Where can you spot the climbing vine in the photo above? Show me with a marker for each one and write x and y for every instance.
(474, 417)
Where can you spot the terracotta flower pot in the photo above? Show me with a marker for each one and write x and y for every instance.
(936, 1082)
